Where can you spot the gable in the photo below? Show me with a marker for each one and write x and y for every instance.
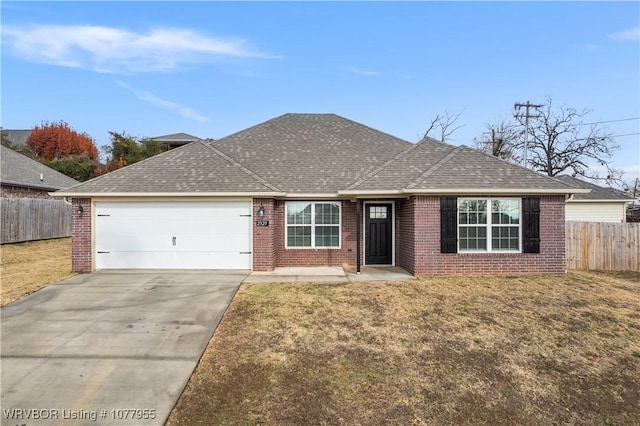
(433, 166)
(194, 168)
(311, 153)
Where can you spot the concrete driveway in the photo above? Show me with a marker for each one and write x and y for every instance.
(109, 348)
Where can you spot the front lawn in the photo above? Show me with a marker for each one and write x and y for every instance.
(526, 350)
(27, 267)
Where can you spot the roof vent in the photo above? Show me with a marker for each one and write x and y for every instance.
(41, 177)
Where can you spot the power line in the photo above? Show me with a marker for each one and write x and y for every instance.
(626, 134)
(609, 121)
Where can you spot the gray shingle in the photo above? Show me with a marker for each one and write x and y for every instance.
(318, 154)
(192, 168)
(433, 165)
(597, 192)
(18, 169)
(311, 153)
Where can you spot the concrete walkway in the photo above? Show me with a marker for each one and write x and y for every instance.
(109, 348)
(330, 274)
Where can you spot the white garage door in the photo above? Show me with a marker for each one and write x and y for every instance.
(173, 235)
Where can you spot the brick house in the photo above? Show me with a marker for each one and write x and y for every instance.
(321, 190)
(23, 177)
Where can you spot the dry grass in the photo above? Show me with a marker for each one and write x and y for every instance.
(27, 267)
(526, 350)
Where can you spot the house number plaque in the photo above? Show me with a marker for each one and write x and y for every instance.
(262, 223)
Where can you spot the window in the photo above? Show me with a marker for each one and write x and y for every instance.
(488, 225)
(312, 224)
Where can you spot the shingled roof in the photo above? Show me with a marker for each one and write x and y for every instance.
(20, 170)
(318, 155)
(195, 168)
(598, 193)
(311, 153)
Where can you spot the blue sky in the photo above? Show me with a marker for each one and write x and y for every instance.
(213, 68)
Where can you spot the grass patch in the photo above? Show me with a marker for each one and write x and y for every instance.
(455, 350)
(28, 267)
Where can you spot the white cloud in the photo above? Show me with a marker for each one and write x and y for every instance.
(114, 50)
(362, 72)
(632, 34)
(154, 100)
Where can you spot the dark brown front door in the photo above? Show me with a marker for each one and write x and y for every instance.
(378, 234)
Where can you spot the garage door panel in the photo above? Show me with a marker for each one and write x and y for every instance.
(173, 235)
(133, 242)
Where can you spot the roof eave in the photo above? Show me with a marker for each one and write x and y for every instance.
(32, 185)
(166, 194)
(497, 191)
(602, 200)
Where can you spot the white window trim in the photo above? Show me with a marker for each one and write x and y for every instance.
(489, 225)
(313, 226)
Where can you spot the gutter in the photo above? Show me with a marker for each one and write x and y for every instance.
(165, 194)
(31, 185)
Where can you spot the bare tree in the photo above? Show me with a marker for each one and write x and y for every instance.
(499, 140)
(443, 125)
(561, 142)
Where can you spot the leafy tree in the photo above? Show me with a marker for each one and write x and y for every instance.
(126, 149)
(53, 141)
(79, 167)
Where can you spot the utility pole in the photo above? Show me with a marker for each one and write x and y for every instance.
(527, 115)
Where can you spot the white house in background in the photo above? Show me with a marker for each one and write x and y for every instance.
(599, 205)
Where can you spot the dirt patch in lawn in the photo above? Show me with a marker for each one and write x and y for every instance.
(457, 350)
(27, 267)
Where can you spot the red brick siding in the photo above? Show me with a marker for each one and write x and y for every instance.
(314, 257)
(428, 259)
(12, 191)
(405, 235)
(263, 251)
(81, 236)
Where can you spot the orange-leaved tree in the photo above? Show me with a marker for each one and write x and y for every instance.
(57, 140)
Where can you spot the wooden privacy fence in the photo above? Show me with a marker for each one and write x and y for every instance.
(603, 246)
(27, 219)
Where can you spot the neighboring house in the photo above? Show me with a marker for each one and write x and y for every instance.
(599, 205)
(23, 177)
(17, 138)
(176, 140)
(318, 190)
(27, 212)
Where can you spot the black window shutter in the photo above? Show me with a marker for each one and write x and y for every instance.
(448, 225)
(531, 224)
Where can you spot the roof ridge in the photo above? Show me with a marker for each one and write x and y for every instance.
(377, 170)
(241, 167)
(435, 167)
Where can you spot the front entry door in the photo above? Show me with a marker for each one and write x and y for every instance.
(378, 234)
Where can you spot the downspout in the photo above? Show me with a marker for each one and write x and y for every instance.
(358, 214)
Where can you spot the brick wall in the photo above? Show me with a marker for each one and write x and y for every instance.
(81, 236)
(425, 246)
(307, 257)
(11, 191)
(405, 235)
(263, 251)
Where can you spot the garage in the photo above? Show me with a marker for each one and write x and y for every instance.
(173, 235)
